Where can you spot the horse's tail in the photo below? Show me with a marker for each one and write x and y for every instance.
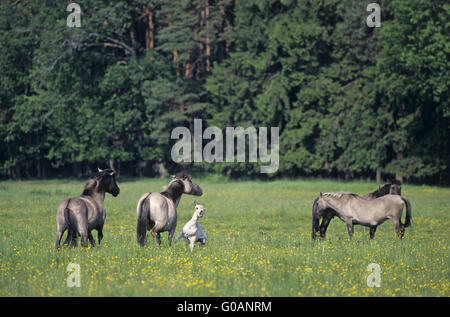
(315, 219)
(70, 225)
(143, 220)
(408, 212)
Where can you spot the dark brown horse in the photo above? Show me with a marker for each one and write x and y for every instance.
(82, 214)
(394, 187)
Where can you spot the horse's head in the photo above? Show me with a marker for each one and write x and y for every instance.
(190, 187)
(383, 190)
(199, 210)
(320, 203)
(395, 188)
(107, 181)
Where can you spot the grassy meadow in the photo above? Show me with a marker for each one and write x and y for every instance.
(259, 244)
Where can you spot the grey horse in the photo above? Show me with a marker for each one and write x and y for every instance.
(393, 188)
(82, 214)
(157, 212)
(353, 209)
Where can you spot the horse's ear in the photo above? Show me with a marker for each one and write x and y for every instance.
(320, 194)
(195, 203)
(99, 169)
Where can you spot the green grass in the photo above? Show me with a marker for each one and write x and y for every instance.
(259, 244)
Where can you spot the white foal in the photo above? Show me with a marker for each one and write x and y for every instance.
(192, 230)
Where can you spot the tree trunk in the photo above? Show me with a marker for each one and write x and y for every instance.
(76, 170)
(378, 175)
(207, 39)
(398, 175)
(18, 172)
(38, 169)
(44, 169)
(112, 164)
(139, 168)
(150, 32)
(229, 171)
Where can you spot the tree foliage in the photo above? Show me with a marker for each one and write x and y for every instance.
(350, 100)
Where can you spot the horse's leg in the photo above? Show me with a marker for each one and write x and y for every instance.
(91, 238)
(68, 238)
(156, 233)
(59, 234)
(83, 230)
(191, 244)
(399, 229)
(372, 231)
(74, 238)
(100, 234)
(349, 228)
(324, 225)
(171, 233)
(84, 237)
(315, 225)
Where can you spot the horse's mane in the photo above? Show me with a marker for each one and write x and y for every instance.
(174, 190)
(89, 187)
(338, 195)
(91, 183)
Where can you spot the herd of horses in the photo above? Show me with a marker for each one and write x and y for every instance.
(157, 212)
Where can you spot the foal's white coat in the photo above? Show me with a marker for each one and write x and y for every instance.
(192, 230)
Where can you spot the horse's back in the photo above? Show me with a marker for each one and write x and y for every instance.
(375, 211)
(160, 209)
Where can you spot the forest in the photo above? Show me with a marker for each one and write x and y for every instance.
(350, 101)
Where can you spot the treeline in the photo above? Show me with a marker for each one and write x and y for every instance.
(350, 101)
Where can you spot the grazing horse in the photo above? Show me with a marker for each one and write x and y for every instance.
(157, 212)
(393, 188)
(82, 214)
(353, 209)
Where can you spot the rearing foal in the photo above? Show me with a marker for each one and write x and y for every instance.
(82, 214)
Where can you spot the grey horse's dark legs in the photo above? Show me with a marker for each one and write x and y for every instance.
(399, 229)
(58, 239)
(171, 233)
(99, 235)
(68, 238)
(350, 228)
(372, 231)
(324, 225)
(91, 238)
(71, 238)
(156, 233)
